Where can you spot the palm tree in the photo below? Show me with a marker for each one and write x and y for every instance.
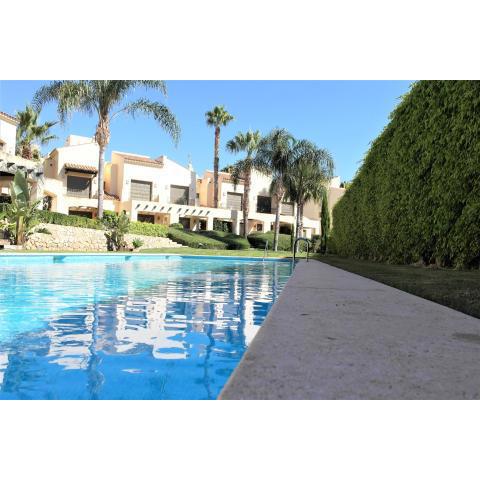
(248, 143)
(30, 132)
(275, 151)
(310, 171)
(101, 97)
(325, 222)
(218, 117)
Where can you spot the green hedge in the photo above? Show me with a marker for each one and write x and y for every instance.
(139, 228)
(194, 240)
(55, 218)
(417, 194)
(258, 240)
(149, 229)
(233, 242)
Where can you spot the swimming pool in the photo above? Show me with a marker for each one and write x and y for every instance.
(129, 326)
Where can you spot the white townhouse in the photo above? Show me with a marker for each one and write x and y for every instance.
(155, 190)
(10, 163)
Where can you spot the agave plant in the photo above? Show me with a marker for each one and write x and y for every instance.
(22, 211)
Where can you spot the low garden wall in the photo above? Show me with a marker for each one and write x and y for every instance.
(85, 239)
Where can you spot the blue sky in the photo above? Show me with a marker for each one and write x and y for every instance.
(341, 116)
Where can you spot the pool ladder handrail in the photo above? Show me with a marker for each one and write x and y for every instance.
(295, 247)
(265, 250)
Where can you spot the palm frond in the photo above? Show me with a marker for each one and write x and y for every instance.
(159, 112)
(218, 117)
(70, 95)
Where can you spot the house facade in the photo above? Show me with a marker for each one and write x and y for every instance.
(156, 190)
(11, 163)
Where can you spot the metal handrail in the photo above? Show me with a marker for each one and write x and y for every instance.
(265, 249)
(295, 246)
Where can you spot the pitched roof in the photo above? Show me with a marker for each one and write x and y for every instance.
(80, 168)
(9, 118)
(141, 160)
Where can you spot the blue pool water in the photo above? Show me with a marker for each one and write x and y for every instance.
(129, 327)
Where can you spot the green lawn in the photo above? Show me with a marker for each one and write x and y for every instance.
(458, 289)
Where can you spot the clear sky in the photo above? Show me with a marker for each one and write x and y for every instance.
(341, 116)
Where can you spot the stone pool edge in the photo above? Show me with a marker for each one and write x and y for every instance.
(332, 334)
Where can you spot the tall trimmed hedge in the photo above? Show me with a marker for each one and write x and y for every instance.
(417, 194)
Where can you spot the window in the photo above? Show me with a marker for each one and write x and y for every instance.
(179, 194)
(287, 208)
(285, 228)
(185, 221)
(234, 201)
(47, 203)
(264, 204)
(146, 218)
(81, 213)
(202, 225)
(222, 225)
(140, 190)
(79, 186)
(259, 227)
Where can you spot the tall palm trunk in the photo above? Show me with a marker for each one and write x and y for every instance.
(101, 163)
(246, 200)
(215, 167)
(27, 151)
(279, 194)
(102, 137)
(299, 228)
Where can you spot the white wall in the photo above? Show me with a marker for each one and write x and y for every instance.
(120, 174)
(8, 133)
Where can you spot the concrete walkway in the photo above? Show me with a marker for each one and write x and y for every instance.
(335, 335)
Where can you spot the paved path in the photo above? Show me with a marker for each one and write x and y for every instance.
(336, 335)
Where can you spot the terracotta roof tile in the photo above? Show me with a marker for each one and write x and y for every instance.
(10, 117)
(80, 168)
(141, 160)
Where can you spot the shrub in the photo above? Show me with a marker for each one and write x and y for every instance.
(55, 218)
(258, 240)
(316, 244)
(222, 226)
(233, 242)
(117, 226)
(43, 230)
(137, 242)
(149, 229)
(177, 225)
(416, 195)
(194, 240)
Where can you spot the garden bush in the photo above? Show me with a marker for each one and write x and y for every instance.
(258, 240)
(149, 229)
(55, 218)
(177, 225)
(233, 242)
(417, 194)
(139, 228)
(194, 239)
